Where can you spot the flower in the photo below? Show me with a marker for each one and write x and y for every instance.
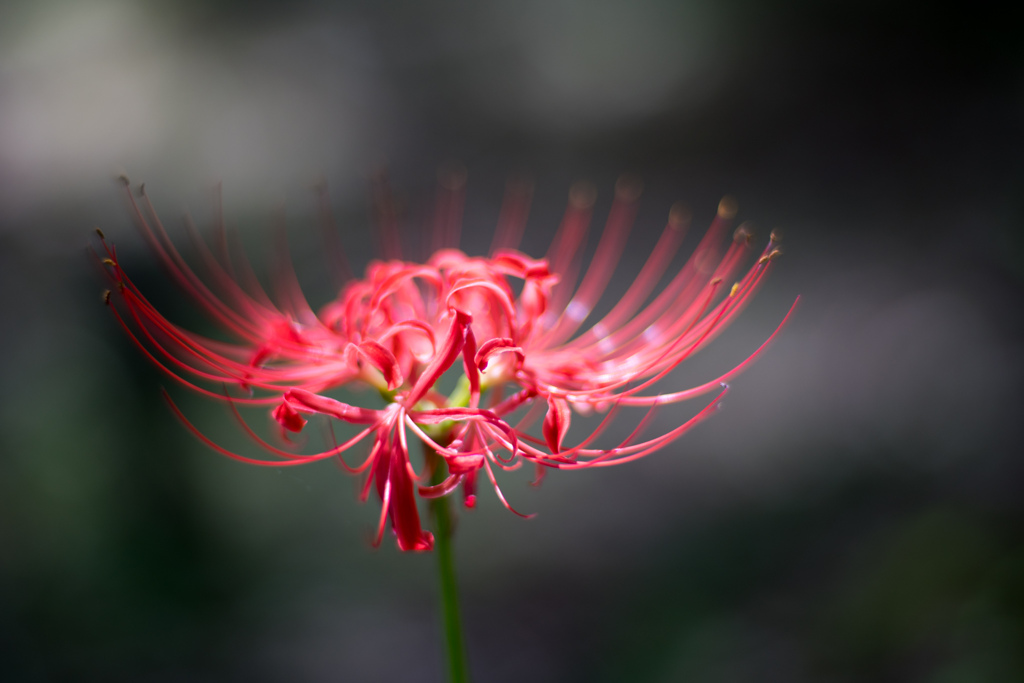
(509, 322)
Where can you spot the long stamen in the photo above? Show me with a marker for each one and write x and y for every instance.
(515, 321)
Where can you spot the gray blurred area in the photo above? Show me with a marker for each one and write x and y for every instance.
(854, 513)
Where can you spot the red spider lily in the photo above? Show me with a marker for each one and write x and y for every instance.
(404, 325)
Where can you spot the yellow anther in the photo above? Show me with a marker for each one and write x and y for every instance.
(628, 188)
(735, 288)
(727, 207)
(744, 233)
(582, 195)
(520, 184)
(678, 216)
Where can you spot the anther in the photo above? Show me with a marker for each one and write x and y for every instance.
(106, 296)
(763, 260)
(727, 208)
(520, 185)
(735, 288)
(100, 233)
(744, 233)
(452, 176)
(715, 281)
(124, 179)
(678, 216)
(775, 253)
(582, 195)
(628, 188)
(109, 262)
(776, 236)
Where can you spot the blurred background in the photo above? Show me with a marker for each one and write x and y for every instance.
(854, 513)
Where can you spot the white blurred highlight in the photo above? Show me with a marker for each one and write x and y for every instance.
(96, 89)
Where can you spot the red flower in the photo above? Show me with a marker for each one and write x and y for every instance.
(511, 322)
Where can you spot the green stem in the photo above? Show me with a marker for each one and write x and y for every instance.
(458, 670)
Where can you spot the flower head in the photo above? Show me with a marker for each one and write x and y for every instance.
(518, 329)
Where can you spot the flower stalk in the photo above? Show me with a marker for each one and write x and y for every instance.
(458, 670)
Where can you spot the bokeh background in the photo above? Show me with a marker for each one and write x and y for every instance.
(855, 513)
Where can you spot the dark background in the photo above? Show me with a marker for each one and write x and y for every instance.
(855, 512)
